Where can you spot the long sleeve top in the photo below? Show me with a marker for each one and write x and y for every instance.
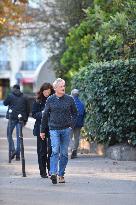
(59, 113)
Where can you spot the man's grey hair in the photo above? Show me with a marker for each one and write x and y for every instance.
(57, 81)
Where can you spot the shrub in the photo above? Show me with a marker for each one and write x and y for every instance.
(109, 92)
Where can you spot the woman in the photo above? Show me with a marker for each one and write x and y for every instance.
(43, 146)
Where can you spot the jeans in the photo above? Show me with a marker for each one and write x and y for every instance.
(10, 128)
(59, 157)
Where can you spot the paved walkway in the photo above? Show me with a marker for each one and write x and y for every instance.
(90, 179)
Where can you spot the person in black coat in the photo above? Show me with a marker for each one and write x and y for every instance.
(43, 146)
(18, 104)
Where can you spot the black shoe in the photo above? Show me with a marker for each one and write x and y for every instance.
(17, 158)
(54, 179)
(44, 175)
(13, 155)
(74, 154)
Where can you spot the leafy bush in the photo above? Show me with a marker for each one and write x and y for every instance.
(109, 91)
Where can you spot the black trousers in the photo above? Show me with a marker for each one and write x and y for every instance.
(44, 153)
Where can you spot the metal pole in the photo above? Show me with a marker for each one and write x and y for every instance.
(22, 144)
(9, 136)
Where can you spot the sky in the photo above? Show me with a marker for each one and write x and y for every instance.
(33, 3)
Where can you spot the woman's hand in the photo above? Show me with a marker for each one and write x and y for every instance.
(42, 135)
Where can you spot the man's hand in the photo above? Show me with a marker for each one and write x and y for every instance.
(42, 135)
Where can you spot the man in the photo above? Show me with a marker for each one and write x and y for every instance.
(60, 113)
(79, 122)
(18, 104)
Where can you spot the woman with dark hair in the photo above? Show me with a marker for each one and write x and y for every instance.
(43, 146)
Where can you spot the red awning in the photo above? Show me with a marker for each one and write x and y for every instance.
(27, 80)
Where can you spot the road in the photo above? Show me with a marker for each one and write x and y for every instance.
(90, 179)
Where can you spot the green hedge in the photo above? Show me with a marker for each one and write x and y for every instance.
(109, 92)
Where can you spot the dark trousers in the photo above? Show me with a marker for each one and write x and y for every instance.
(44, 153)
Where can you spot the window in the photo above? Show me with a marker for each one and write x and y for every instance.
(5, 65)
(29, 65)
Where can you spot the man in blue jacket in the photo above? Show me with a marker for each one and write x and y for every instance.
(75, 133)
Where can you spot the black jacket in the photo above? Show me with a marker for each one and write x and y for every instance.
(19, 104)
(37, 108)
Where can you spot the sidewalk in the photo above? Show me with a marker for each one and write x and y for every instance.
(90, 179)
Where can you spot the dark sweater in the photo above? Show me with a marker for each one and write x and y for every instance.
(59, 113)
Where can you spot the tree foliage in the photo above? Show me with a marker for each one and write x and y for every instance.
(53, 22)
(107, 33)
(105, 45)
(12, 14)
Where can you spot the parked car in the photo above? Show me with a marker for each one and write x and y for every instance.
(3, 109)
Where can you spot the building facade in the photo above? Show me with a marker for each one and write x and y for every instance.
(25, 63)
